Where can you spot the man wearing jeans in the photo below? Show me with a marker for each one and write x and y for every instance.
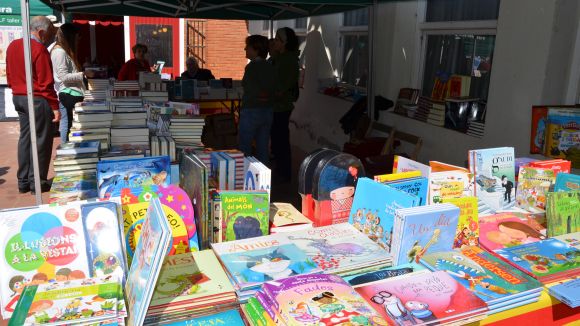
(45, 101)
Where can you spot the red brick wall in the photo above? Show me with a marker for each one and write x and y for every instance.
(225, 55)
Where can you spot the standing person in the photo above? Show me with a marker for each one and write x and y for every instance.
(130, 70)
(45, 101)
(256, 110)
(195, 72)
(68, 75)
(285, 62)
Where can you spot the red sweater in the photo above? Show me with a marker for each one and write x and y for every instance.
(131, 69)
(42, 79)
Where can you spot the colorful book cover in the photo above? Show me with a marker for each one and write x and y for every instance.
(449, 184)
(567, 292)
(403, 164)
(422, 299)
(229, 318)
(114, 175)
(533, 184)
(149, 255)
(549, 259)
(424, 229)
(567, 181)
(562, 132)
(557, 165)
(563, 212)
(487, 276)
(253, 267)
(467, 233)
(504, 230)
(256, 313)
(415, 186)
(193, 178)
(318, 300)
(359, 279)
(572, 239)
(178, 210)
(338, 247)
(284, 217)
(89, 146)
(373, 210)
(494, 172)
(93, 300)
(245, 214)
(397, 176)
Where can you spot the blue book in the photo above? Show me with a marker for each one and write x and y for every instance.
(87, 146)
(230, 318)
(369, 277)
(567, 181)
(114, 175)
(424, 229)
(414, 186)
(567, 292)
(373, 210)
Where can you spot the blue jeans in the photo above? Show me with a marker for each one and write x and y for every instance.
(63, 124)
(255, 125)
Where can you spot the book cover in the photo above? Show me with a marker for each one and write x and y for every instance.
(423, 231)
(508, 229)
(414, 186)
(563, 212)
(422, 299)
(567, 292)
(145, 268)
(78, 147)
(494, 173)
(403, 164)
(546, 260)
(318, 300)
(373, 210)
(114, 175)
(567, 181)
(193, 179)
(449, 184)
(558, 165)
(533, 184)
(382, 274)
(244, 214)
(396, 176)
(230, 318)
(467, 233)
(284, 217)
(482, 273)
(572, 239)
(562, 132)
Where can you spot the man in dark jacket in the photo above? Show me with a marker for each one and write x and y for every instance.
(195, 72)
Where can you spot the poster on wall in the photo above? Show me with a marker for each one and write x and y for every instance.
(7, 35)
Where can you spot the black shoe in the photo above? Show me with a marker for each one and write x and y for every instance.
(23, 189)
(43, 187)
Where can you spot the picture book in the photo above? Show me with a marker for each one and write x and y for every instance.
(488, 277)
(557, 165)
(244, 214)
(467, 233)
(494, 173)
(567, 181)
(338, 247)
(403, 164)
(219, 170)
(230, 318)
(256, 313)
(533, 184)
(114, 175)
(306, 177)
(538, 129)
(449, 184)
(424, 229)
(255, 266)
(562, 132)
(572, 239)
(547, 260)
(508, 229)
(177, 208)
(368, 277)
(90, 301)
(286, 218)
(257, 175)
(422, 299)
(397, 176)
(373, 210)
(415, 186)
(89, 146)
(567, 292)
(149, 255)
(522, 161)
(563, 212)
(193, 179)
(318, 300)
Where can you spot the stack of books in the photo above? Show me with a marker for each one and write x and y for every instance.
(91, 122)
(129, 135)
(122, 152)
(437, 113)
(77, 157)
(186, 129)
(97, 90)
(125, 88)
(71, 187)
(256, 175)
(126, 104)
(163, 145)
(152, 87)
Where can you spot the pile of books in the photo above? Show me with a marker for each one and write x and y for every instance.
(72, 187)
(152, 87)
(186, 129)
(91, 121)
(163, 145)
(97, 90)
(125, 88)
(129, 135)
(122, 152)
(256, 175)
(77, 157)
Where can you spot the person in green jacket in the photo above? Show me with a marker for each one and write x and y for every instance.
(285, 61)
(256, 109)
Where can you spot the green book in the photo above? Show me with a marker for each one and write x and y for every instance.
(563, 212)
(244, 214)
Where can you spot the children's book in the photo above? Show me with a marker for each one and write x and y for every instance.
(397, 176)
(423, 299)
(547, 260)
(567, 292)
(423, 229)
(318, 300)
(256, 313)
(114, 175)
(257, 175)
(415, 186)
(563, 212)
(562, 132)
(533, 184)
(572, 239)
(219, 170)
(149, 255)
(494, 173)
(89, 146)
(193, 178)
(491, 279)
(373, 210)
(229, 318)
(567, 181)
(359, 279)
(286, 218)
(557, 165)
(306, 177)
(403, 164)
(448, 181)
(91, 301)
(244, 214)
(508, 229)
(467, 233)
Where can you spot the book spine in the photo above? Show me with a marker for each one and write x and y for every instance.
(23, 306)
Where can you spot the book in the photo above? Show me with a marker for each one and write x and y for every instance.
(244, 214)
(114, 175)
(509, 229)
(78, 148)
(230, 318)
(369, 277)
(257, 175)
(418, 187)
(547, 260)
(467, 233)
(448, 181)
(572, 239)
(558, 165)
(286, 218)
(567, 181)
(533, 184)
(396, 176)
(145, 268)
(373, 210)
(425, 299)
(563, 212)
(193, 178)
(561, 132)
(567, 292)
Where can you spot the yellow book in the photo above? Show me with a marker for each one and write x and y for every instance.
(397, 176)
(467, 233)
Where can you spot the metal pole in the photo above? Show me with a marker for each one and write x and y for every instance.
(370, 85)
(271, 29)
(30, 96)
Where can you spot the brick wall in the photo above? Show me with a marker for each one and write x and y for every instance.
(225, 42)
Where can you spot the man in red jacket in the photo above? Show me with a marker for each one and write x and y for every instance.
(45, 101)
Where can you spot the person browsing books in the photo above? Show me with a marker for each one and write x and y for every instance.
(256, 108)
(45, 101)
(195, 72)
(68, 75)
(130, 70)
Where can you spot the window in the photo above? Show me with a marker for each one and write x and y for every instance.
(354, 47)
(265, 25)
(158, 39)
(359, 17)
(301, 23)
